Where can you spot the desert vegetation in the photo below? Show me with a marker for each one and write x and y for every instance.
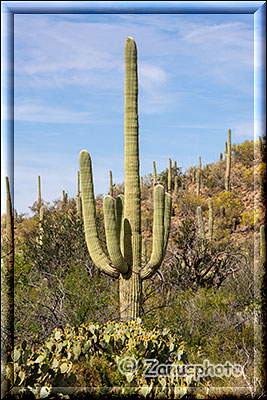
(168, 266)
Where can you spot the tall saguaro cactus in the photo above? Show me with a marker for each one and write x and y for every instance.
(123, 227)
(228, 163)
(170, 176)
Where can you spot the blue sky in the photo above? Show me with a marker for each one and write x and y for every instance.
(195, 82)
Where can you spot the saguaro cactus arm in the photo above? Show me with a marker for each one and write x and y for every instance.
(112, 237)
(161, 230)
(89, 216)
(167, 220)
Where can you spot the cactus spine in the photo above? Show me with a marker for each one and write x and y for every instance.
(228, 163)
(123, 228)
(154, 173)
(210, 219)
(7, 298)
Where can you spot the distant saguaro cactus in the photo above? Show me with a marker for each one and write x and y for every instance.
(110, 184)
(228, 163)
(154, 173)
(198, 182)
(170, 176)
(123, 228)
(175, 191)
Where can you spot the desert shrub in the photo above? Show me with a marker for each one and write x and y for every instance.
(99, 357)
(230, 202)
(186, 204)
(250, 218)
(244, 152)
(56, 282)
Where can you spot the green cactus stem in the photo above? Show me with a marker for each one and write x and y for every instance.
(225, 151)
(170, 176)
(198, 182)
(262, 244)
(175, 168)
(228, 163)
(175, 191)
(122, 219)
(154, 174)
(7, 291)
(221, 157)
(142, 182)
(201, 223)
(110, 184)
(39, 201)
(199, 163)
(210, 219)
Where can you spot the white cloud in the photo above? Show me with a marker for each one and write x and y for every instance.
(29, 111)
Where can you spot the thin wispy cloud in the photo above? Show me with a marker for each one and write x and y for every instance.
(195, 82)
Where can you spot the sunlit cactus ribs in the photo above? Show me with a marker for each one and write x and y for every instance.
(122, 218)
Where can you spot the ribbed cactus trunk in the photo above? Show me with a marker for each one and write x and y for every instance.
(130, 284)
(228, 163)
(154, 174)
(175, 190)
(127, 256)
